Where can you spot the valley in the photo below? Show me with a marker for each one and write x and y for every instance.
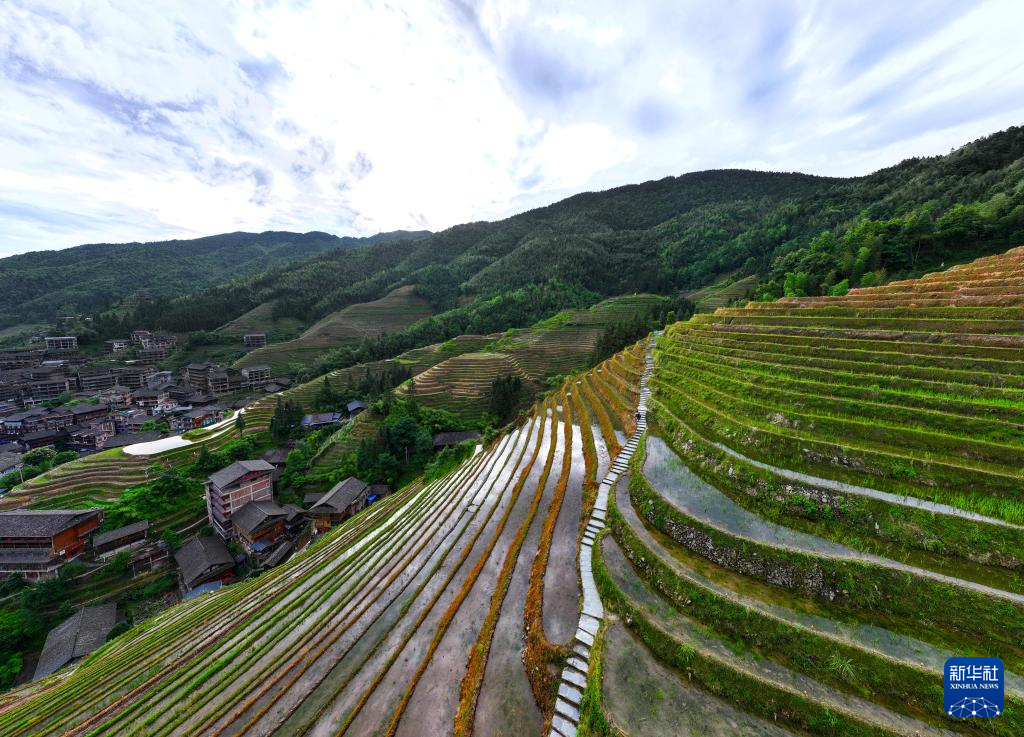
(733, 453)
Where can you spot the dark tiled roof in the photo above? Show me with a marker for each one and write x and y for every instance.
(353, 406)
(41, 523)
(130, 438)
(293, 511)
(85, 408)
(321, 418)
(237, 470)
(11, 556)
(199, 555)
(454, 438)
(76, 637)
(42, 435)
(104, 538)
(254, 515)
(277, 456)
(312, 498)
(8, 461)
(341, 495)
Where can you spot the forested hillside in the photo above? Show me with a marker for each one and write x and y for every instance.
(801, 234)
(43, 284)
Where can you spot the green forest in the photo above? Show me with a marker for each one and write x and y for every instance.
(44, 284)
(802, 234)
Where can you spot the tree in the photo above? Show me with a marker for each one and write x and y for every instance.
(506, 392)
(240, 422)
(287, 417)
(64, 457)
(402, 436)
(840, 289)
(326, 398)
(172, 538)
(388, 470)
(41, 458)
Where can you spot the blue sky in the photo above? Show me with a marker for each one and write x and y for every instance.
(192, 118)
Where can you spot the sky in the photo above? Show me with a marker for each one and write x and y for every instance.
(128, 121)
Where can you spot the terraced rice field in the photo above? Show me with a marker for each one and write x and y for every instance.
(445, 608)
(462, 384)
(101, 478)
(562, 346)
(826, 507)
(392, 313)
(261, 320)
(721, 294)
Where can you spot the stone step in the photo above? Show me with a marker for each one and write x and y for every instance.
(574, 678)
(563, 726)
(567, 710)
(571, 694)
(578, 663)
(589, 623)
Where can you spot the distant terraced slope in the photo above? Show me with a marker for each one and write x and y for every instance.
(562, 345)
(722, 293)
(829, 503)
(392, 313)
(98, 480)
(445, 608)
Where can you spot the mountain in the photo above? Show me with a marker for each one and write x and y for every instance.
(796, 233)
(783, 518)
(92, 277)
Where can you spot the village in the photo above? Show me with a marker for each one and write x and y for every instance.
(57, 404)
(246, 532)
(58, 397)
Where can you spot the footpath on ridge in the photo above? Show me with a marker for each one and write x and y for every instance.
(574, 675)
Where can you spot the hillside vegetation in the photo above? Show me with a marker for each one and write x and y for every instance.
(44, 284)
(406, 620)
(396, 311)
(823, 508)
(802, 234)
(826, 508)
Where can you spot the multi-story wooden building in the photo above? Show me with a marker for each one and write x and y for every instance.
(231, 488)
(345, 499)
(36, 543)
(61, 344)
(256, 375)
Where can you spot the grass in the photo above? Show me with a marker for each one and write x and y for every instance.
(392, 313)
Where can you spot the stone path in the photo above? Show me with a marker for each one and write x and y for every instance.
(574, 675)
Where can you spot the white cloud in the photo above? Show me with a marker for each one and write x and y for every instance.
(199, 117)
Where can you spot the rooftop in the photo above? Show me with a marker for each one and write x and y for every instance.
(42, 522)
(237, 470)
(255, 515)
(199, 555)
(321, 418)
(341, 495)
(84, 631)
(104, 538)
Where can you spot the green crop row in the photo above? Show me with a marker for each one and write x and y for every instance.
(860, 522)
(861, 589)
